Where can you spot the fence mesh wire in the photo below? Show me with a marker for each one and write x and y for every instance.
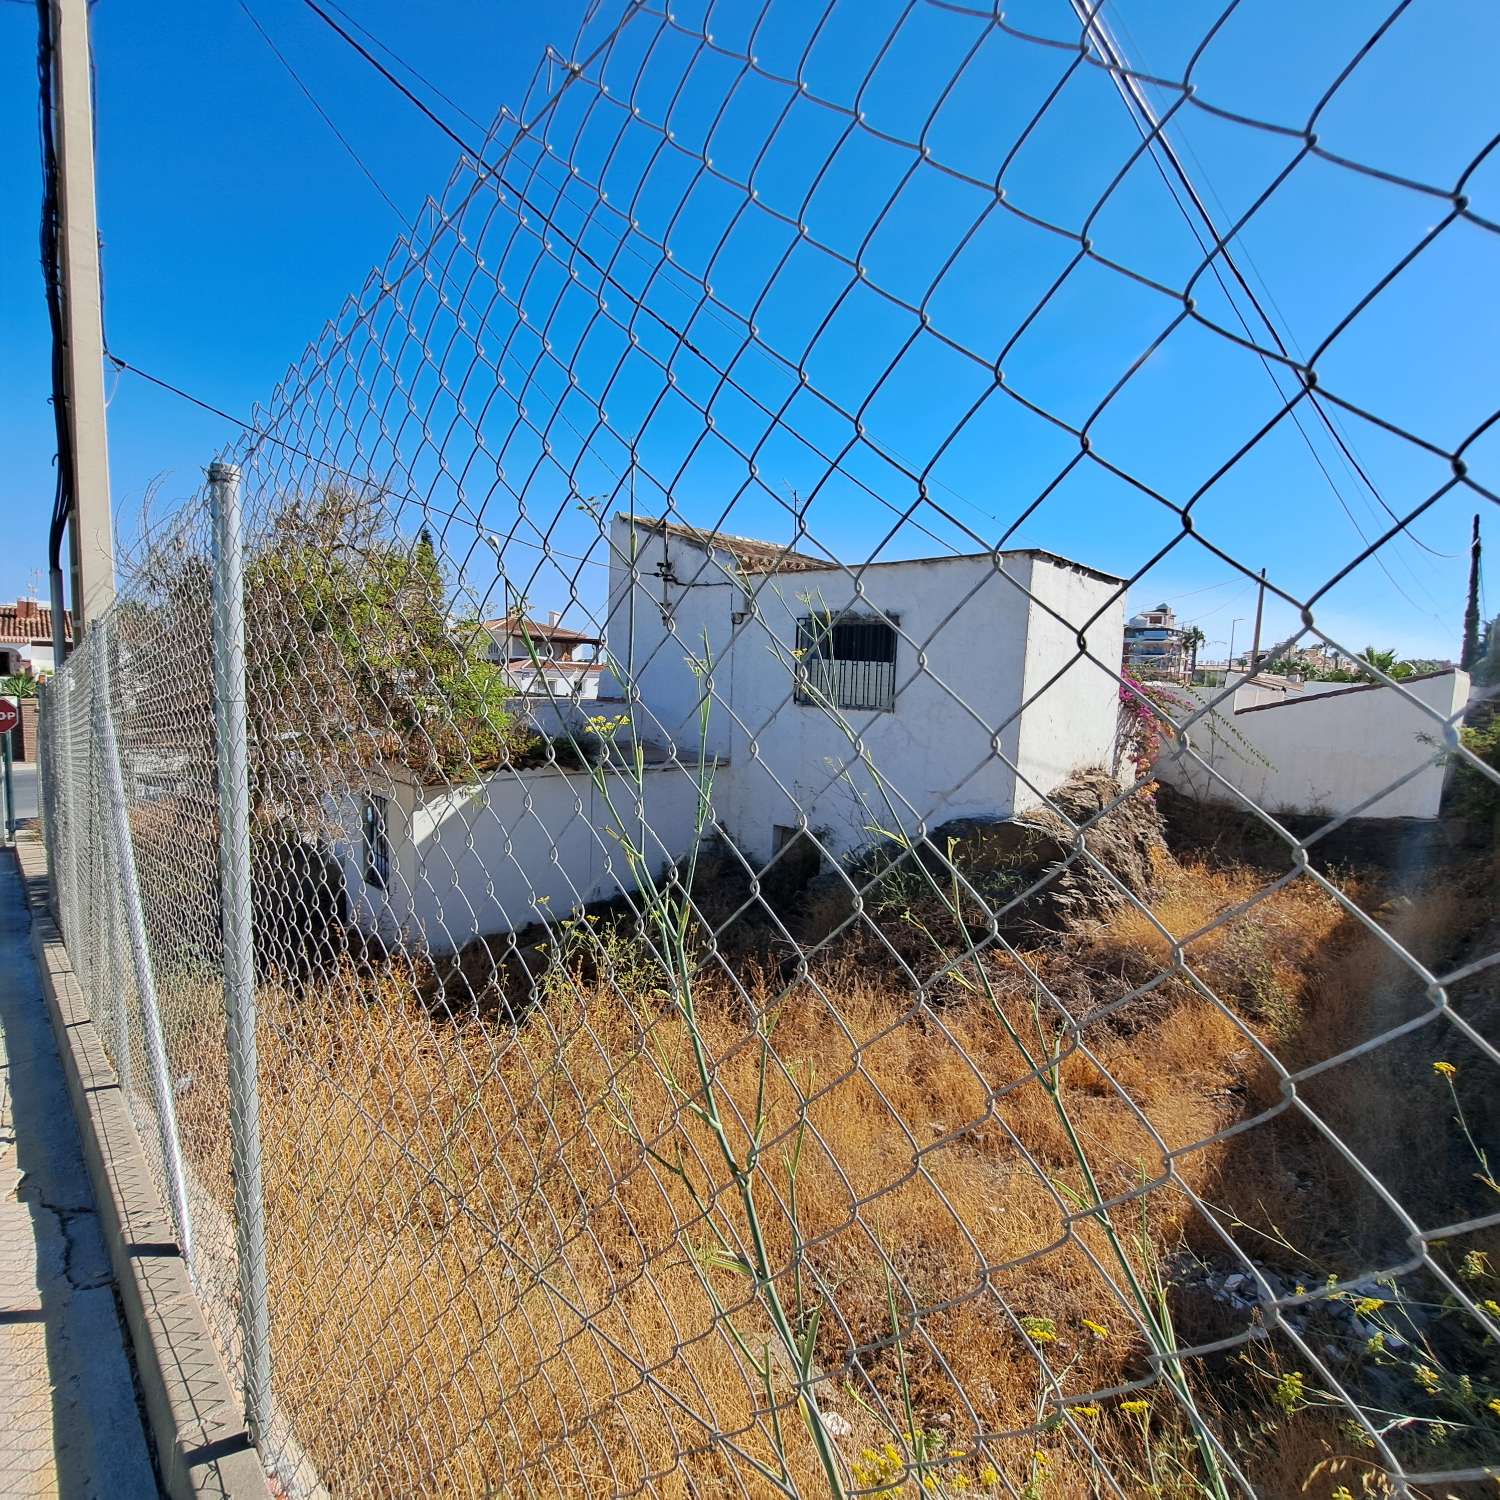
(729, 1021)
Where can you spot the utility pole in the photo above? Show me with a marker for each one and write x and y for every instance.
(91, 531)
(1260, 609)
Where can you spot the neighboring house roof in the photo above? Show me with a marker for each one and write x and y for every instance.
(27, 623)
(558, 635)
(751, 555)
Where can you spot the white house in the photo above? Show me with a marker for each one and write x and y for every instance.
(26, 638)
(545, 657)
(838, 700)
(975, 684)
(1155, 643)
(443, 865)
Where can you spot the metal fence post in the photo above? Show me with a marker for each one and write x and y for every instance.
(123, 852)
(239, 939)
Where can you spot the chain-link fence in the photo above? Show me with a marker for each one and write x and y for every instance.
(620, 1006)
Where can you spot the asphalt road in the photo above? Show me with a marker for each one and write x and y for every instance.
(24, 779)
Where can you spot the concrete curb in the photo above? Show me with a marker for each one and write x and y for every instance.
(195, 1420)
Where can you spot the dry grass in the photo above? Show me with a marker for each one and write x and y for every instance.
(489, 1276)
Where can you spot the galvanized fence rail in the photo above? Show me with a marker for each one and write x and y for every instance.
(706, 1087)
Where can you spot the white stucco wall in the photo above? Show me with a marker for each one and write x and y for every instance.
(959, 667)
(653, 629)
(1329, 752)
(971, 644)
(511, 850)
(1072, 699)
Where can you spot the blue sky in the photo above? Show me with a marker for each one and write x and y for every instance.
(235, 226)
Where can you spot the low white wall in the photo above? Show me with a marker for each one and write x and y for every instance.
(1328, 752)
(516, 848)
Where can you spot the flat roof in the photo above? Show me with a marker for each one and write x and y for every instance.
(762, 557)
(1056, 559)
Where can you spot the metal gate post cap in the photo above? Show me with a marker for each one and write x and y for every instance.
(222, 472)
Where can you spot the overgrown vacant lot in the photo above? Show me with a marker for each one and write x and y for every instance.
(505, 1244)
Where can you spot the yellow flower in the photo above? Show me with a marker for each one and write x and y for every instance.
(1088, 1410)
(1288, 1393)
(989, 1475)
(1369, 1304)
(929, 1482)
(1494, 1405)
(1444, 1069)
(1474, 1265)
(1040, 1459)
(1097, 1329)
(1426, 1377)
(1135, 1408)
(1491, 1307)
(1039, 1330)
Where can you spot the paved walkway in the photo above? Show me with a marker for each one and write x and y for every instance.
(69, 1424)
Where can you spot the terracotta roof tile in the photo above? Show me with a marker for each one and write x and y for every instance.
(26, 621)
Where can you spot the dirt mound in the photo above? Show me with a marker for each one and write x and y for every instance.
(1053, 867)
(1087, 865)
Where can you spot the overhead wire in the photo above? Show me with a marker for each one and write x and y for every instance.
(625, 241)
(1330, 419)
(323, 115)
(1158, 146)
(264, 435)
(488, 170)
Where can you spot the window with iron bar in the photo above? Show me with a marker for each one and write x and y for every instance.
(846, 661)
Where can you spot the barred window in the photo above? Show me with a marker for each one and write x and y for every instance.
(846, 661)
(376, 823)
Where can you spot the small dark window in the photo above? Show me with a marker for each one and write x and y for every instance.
(377, 841)
(846, 661)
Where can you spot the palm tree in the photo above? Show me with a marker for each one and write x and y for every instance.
(1386, 662)
(1192, 638)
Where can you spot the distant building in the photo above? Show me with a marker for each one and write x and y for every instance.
(545, 657)
(26, 638)
(1154, 644)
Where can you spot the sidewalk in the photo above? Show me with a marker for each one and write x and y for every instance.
(69, 1422)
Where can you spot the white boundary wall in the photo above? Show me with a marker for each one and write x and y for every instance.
(1329, 751)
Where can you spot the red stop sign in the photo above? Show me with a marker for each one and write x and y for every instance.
(10, 714)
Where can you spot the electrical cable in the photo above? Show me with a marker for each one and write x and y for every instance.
(1155, 137)
(62, 503)
(400, 61)
(1330, 420)
(326, 118)
(262, 435)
